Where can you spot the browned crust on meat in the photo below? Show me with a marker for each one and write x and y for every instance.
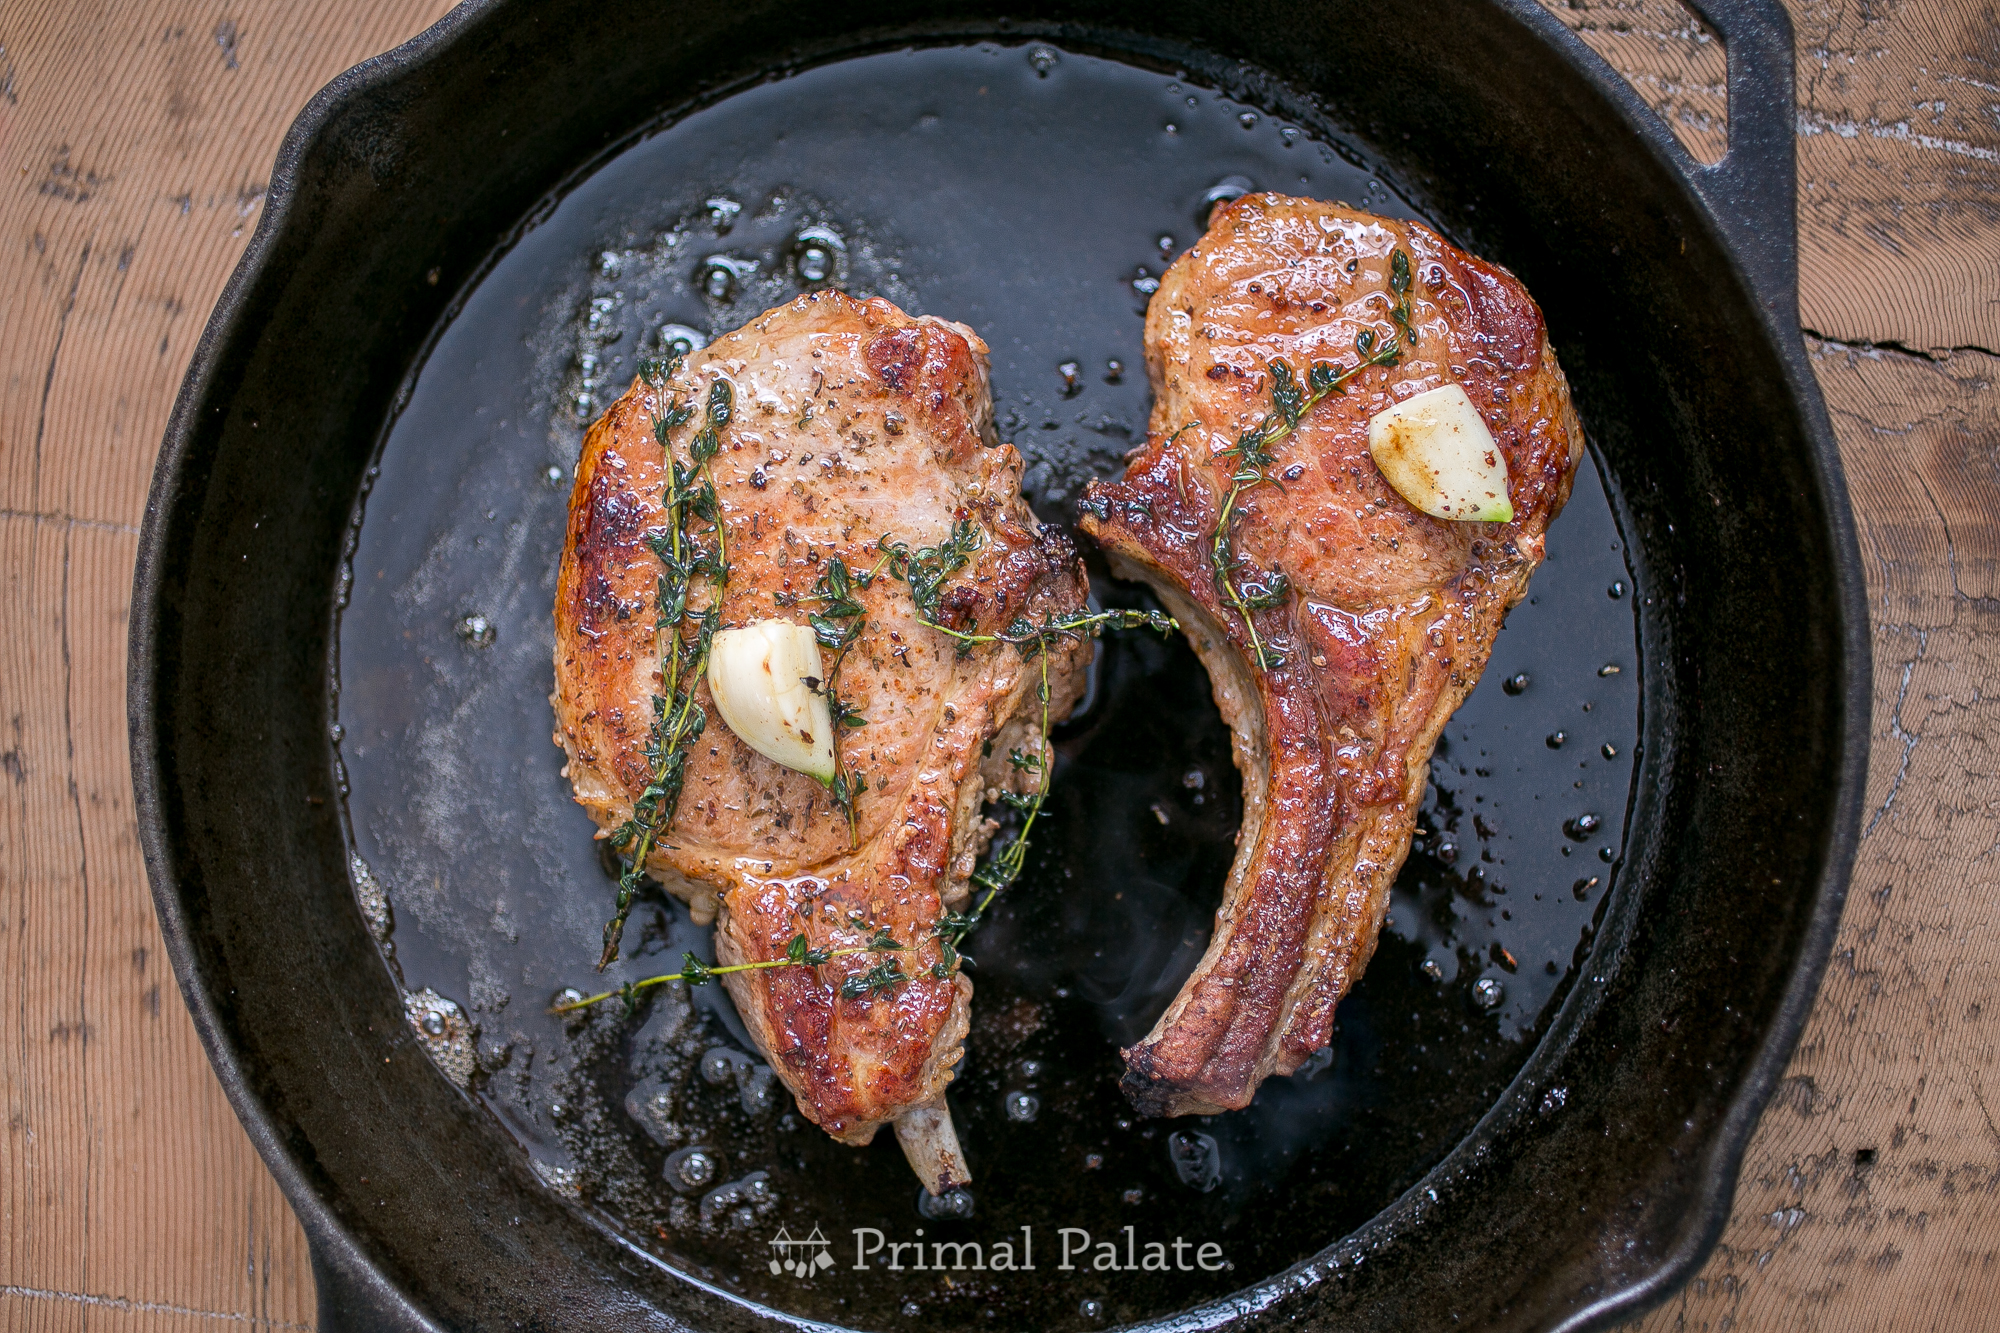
(1393, 613)
(853, 421)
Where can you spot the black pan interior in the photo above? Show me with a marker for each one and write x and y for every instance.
(1609, 1156)
(940, 176)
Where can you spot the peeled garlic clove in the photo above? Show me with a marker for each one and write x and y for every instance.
(1436, 451)
(758, 675)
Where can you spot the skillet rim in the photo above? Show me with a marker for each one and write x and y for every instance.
(1763, 257)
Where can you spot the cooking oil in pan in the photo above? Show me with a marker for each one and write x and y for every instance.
(1036, 194)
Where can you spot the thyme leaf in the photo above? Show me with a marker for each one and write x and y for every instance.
(884, 976)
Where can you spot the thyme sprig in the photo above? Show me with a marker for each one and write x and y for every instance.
(927, 569)
(1003, 867)
(689, 498)
(799, 953)
(837, 625)
(1399, 283)
(1253, 589)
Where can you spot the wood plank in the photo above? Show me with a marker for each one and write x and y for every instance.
(135, 142)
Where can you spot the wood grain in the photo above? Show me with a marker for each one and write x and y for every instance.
(134, 140)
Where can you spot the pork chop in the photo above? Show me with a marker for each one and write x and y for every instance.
(844, 432)
(1340, 626)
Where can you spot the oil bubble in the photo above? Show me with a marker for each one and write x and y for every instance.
(1610, 750)
(1023, 1107)
(722, 212)
(1091, 1310)
(1616, 590)
(954, 1205)
(1431, 970)
(757, 1090)
(681, 339)
(1556, 739)
(1044, 60)
(476, 630)
(1580, 828)
(740, 1202)
(1247, 120)
(720, 1065)
(554, 475)
(653, 1108)
(815, 264)
(692, 1170)
(1516, 683)
(816, 255)
(1197, 1159)
(1224, 190)
(447, 1035)
(722, 276)
(1487, 993)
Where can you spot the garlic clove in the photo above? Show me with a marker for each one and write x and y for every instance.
(1434, 448)
(759, 676)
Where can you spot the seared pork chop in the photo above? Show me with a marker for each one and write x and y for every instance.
(847, 428)
(1340, 626)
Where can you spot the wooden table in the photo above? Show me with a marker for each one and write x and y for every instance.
(135, 138)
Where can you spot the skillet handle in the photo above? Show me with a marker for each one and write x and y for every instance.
(1753, 190)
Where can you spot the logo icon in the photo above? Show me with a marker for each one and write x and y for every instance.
(800, 1258)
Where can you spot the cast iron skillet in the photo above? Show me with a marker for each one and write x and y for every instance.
(1671, 293)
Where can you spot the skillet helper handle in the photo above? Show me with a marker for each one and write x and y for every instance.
(1753, 190)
